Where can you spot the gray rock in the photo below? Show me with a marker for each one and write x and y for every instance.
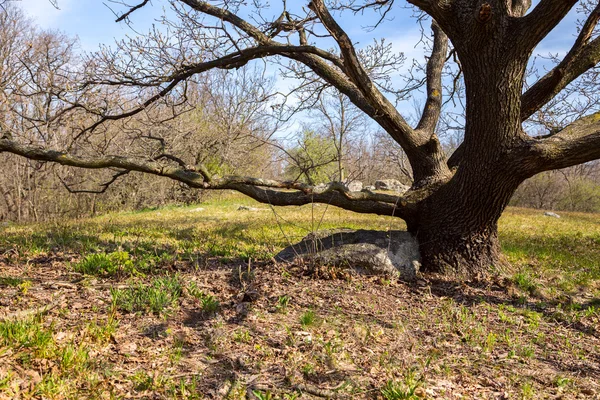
(246, 208)
(354, 186)
(551, 214)
(391, 184)
(393, 253)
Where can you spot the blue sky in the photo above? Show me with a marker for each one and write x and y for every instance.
(93, 22)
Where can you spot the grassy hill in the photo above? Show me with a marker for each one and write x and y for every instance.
(185, 302)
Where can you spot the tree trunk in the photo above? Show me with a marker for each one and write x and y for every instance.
(457, 228)
(457, 224)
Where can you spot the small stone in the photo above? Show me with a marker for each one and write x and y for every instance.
(246, 208)
(243, 309)
(551, 214)
(391, 184)
(127, 348)
(354, 186)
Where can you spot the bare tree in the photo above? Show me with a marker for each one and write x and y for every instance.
(342, 123)
(453, 205)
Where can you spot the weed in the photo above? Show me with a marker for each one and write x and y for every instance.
(74, 358)
(308, 318)
(490, 342)
(525, 282)
(51, 386)
(24, 287)
(394, 390)
(11, 281)
(101, 333)
(27, 333)
(194, 291)
(264, 395)
(208, 303)
(4, 381)
(176, 351)
(308, 369)
(282, 304)
(562, 381)
(242, 336)
(142, 381)
(106, 265)
(157, 297)
(527, 352)
(527, 391)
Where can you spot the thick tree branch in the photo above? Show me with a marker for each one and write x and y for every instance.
(437, 9)
(578, 143)
(541, 20)
(357, 74)
(584, 55)
(263, 190)
(435, 66)
(423, 150)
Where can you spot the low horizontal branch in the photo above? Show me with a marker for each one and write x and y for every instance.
(279, 193)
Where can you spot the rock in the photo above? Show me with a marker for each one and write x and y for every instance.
(127, 348)
(551, 214)
(369, 188)
(199, 209)
(393, 253)
(354, 186)
(391, 184)
(246, 208)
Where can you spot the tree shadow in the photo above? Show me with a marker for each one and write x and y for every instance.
(497, 294)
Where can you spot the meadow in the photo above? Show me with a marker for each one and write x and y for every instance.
(188, 303)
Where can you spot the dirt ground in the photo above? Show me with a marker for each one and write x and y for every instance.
(283, 332)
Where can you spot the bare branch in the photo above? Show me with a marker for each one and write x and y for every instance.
(104, 185)
(131, 11)
(233, 60)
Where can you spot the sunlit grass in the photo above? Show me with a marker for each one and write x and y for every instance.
(146, 270)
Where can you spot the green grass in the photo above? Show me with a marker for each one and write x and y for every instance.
(173, 267)
(29, 334)
(102, 264)
(562, 253)
(208, 303)
(11, 281)
(307, 319)
(156, 297)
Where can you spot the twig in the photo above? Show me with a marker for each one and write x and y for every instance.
(315, 391)
(33, 311)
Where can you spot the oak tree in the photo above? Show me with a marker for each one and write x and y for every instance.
(454, 203)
